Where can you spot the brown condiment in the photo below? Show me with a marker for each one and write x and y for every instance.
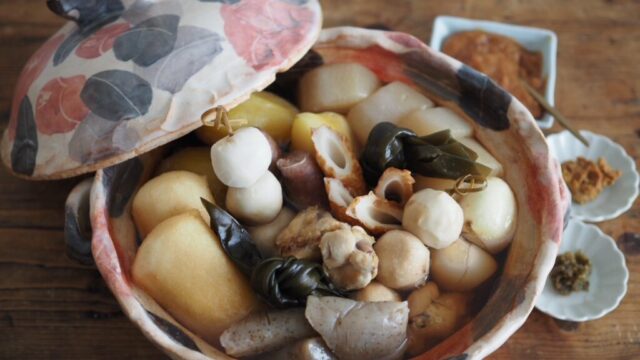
(503, 60)
(586, 179)
(571, 273)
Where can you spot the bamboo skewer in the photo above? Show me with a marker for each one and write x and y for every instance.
(561, 119)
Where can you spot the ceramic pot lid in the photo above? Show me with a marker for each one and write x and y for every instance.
(126, 76)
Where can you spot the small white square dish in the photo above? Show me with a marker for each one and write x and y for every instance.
(533, 39)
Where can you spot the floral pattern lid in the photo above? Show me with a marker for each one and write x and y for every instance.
(126, 76)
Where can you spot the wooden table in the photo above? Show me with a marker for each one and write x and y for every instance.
(50, 307)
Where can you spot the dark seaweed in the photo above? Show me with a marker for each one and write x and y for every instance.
(287, 282)
(436, 155)
(235, 239)
(439, 155)
(280, 282)
(384, 149)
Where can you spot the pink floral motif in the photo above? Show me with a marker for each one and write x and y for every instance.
(101, 42)
(59, 108)
(265, 32)
(541, 180)
(29, 74)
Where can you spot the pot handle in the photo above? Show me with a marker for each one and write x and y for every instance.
(77, 223)
(86, 12)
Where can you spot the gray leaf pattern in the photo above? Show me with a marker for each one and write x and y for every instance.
(120, 183)
(142, 10)
(97, 138)
(149, 41)
(25, 146)
(222, 1)
(117, 95)
(195, 47)
(173, 331)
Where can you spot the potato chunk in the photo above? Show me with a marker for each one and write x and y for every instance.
(305, 123)
(336, 87)
(263, 110)
(484, 157)
(389, 103)
(461, 266)
(427, 121)
(166, 195)
(183, 267)
(433, 316)
(196, 160)
(376, 292)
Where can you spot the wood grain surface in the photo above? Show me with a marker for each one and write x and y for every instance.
(50, 307)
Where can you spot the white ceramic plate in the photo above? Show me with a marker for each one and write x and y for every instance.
(608, 280)
(614, 200)
(534, 39)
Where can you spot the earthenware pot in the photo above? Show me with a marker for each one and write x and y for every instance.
(501, 124)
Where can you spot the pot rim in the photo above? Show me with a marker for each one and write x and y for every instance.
(556, 202)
